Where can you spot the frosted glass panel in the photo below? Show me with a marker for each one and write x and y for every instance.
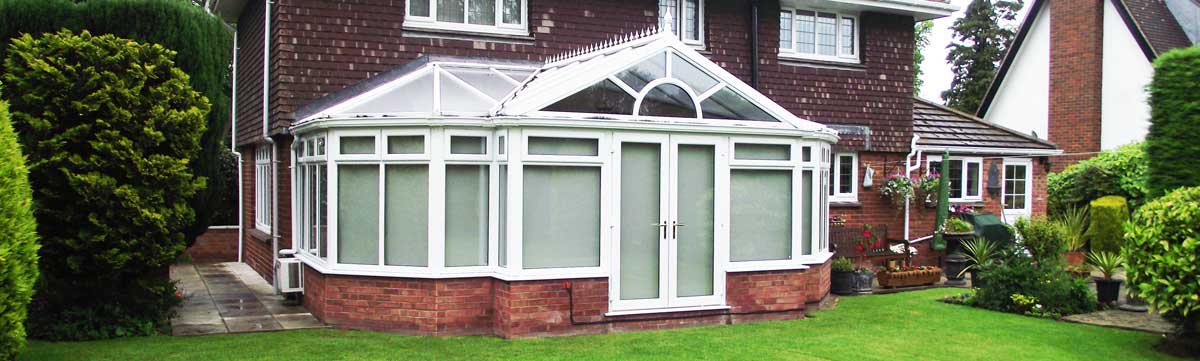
(485, 80)
(468, 145)
(414, 96)
(456, 98)
(748, 151)
(695, 240)
(466, 215)
(406, 211)
(691, 75)
(726, 104)
(322, 216)
(406, 144)
(502, 232)
(357, 145)
(640, 177)
(358, 214)
(760, 215)
(561, 217)
(806, 215)
(563, 146)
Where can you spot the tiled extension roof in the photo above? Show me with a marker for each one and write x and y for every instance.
(942, 127)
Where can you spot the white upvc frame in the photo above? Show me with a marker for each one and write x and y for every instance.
(262, 188)
(679, 17)
(797, 259)
(499, 28)
(793, 52)
(930, 159)
(836, 169)
(1005, 191)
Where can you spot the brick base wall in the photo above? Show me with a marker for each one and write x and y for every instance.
(475, 306)
(214, 245)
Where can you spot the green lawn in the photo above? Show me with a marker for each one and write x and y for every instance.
(905, 326)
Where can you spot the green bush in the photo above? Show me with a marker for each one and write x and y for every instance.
(1057, 291)
(111, 128)
(1108, 216)
(18, 241)
(1045, 239)
(1171, 144)
(1122, 171)
(1162, 253)
(956, 225)
(204, 46)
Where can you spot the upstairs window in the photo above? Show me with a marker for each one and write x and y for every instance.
(818, 35)
(684, 18)
(504, 17)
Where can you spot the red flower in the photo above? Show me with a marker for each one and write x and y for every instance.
(866, 233)
(879, 244)
(858, 248)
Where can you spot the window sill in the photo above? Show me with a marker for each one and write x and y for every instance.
(259, 235)
(424, 31)
(844, 204)
(815, 63)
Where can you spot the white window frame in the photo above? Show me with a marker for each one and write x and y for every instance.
(1005, 191)
(677, 21)
(793, 52)
(499, 28)
(307, 158)
(929, 160)
(836, 180)
(262, 188)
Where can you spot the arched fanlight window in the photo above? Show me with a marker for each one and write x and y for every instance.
(663, 85)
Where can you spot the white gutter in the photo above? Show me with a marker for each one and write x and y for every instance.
(266, 130)
(1009, 151)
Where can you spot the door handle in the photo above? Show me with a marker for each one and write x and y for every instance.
(663, 226)
(675, 229)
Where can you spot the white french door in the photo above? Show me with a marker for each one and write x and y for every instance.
(671, 191)
(1017, 189)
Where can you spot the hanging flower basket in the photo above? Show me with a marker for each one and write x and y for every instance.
(897, 188)
(927, 188)
(913, 276)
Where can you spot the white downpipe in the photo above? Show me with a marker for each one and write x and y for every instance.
(266, 130)
(236, 154)
(909, 167)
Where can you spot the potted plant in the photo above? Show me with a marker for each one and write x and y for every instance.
(1074, 220)
(1108, 289)
(908, 276)
(955, 232)
(898, 188)
(841, 278)
(865, 277)
(980, 252)
(928, 185)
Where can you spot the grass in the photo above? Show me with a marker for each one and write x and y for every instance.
(903, 326)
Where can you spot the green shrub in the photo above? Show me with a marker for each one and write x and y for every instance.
(1045, 239)
(1162, 253)
(1171, 144)
(1074, 221)
(842, 264)
(201, 40)
(1054, 288)
(110, 127)
(18, 241)
(1122, 171)
(1108, 216)
(955, 225)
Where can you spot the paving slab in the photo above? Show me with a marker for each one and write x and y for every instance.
(231, 298)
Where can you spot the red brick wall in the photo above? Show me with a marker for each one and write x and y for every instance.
(215, 245)
(407, 305)
(249, 75)
(1076, 43)
(257, 245)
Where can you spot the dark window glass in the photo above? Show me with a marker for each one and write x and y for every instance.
(725, 104)
(643, 73)
(973, 179)
(668, 100)
(956, 178)
(604, 97)
(845, 174)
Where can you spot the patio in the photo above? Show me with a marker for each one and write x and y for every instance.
(230, 298)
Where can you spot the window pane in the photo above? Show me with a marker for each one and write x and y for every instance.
(418, 7)
(973, 179)
(806, 40)
(806, 215)
(668, 100)
(408, 144)
(512, 11)
(751, 151)
(450, 11)
(827, 34)
(468, 145)
(691, 20)
(482, 12)
(644, 72)
(956, 178)
(695, 78)
(785, 29)
(302, 205)
(845, 174)
(500, 146)
(668, 7)
(561, 217)
(358, 145)
(806, 154)
(695, 240)
(502, 232)
(725, 104)
(640, 176)
(466, 215)
(302, 149)
(563, 146)
(358, 214)
(406, 208)
(848, 36)
(604, 97)
(322, 214)
(760, 215)
(320, 146)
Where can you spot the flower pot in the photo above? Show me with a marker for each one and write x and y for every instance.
(1107, 290)
(864, 281)
(1076, 258)
(842, 283)
(953, 266)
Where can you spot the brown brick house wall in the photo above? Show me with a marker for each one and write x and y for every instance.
(1076, 35)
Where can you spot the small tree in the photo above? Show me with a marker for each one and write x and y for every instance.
(111, 127)
(981, 37)
(18, 241)
(1162, 250)
(1171, 145)
(921, 33)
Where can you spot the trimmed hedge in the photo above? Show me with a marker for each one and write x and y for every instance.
(1108, 216)
(1171, 144)
(1045, 239)
(18, 241)
(204, 46)
(111, 128)
(1122, 171)
(1162, 250)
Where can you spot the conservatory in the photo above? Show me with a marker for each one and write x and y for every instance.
(640, 162)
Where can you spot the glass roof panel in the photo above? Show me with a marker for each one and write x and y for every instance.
(691, 75)
(668, 100)
(456, 98)
(726, 104)
(484, 79)
(604, 97)
(414, 96)
(518, 75)
(648, 70)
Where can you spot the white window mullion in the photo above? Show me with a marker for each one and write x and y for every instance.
(437, 200)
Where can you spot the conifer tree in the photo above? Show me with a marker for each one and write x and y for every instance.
(980, 40)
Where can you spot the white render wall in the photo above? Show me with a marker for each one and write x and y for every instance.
(1125, 113)
(1023, 100)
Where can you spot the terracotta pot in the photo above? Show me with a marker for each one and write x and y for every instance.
(1076, 258)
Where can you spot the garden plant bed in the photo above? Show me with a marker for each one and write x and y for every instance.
(916, 277)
